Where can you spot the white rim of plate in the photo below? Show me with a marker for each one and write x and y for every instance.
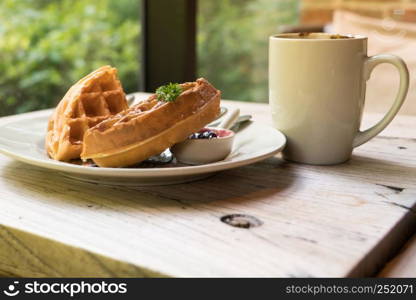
(133, 172)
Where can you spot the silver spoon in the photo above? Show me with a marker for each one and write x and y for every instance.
(241, 119)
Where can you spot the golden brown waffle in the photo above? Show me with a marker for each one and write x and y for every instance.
(151, 126)
(92, 99)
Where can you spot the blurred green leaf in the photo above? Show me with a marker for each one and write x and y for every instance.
(233, 41)
(48, 45)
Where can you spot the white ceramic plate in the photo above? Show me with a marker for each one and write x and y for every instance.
(22, 138)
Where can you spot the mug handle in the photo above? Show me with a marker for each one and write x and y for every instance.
(370, 63)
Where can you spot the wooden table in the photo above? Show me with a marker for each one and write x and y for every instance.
(344, 220)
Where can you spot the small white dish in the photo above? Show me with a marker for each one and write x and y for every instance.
(22, 138)
(204, 151)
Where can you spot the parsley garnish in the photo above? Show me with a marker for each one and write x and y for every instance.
(169, 92)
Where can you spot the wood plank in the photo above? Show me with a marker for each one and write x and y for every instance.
(404, 264)
(28, 255)
(316, 221)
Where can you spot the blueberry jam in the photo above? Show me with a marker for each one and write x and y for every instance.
(207, 133)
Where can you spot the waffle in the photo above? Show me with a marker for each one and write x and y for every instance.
(91, 100)
(151, 126)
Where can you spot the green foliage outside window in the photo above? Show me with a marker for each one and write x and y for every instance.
(47, 45)
(233, 43)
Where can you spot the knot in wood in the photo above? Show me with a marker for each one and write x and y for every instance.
(241, 221)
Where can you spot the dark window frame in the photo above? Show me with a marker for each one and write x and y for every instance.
(168, 42)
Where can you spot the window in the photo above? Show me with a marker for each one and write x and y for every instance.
(232, 43)
(47, 45)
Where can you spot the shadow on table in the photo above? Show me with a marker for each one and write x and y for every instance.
(383, 170)
(241, 185)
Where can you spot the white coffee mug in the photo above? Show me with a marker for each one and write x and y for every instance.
(317, 88)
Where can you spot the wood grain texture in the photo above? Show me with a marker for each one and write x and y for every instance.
(404, 264)
(344, 220)
(25, 254)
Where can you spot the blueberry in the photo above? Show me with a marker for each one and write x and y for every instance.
(208, 134)
(212, 135)
(205, 135)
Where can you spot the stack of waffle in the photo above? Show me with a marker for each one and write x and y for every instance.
(93, 121)
(91, 100)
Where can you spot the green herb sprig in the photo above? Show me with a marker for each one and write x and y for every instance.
(169, 92)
